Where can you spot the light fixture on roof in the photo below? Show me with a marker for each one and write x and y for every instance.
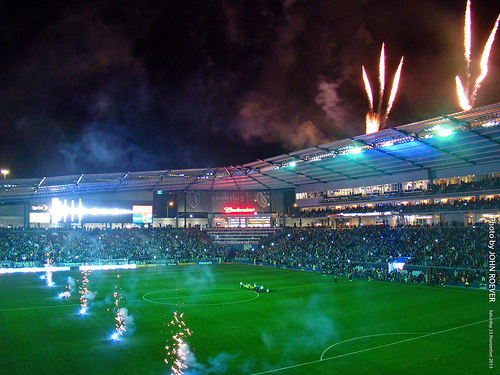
(444, 132)
(355, 151)
(490, 123)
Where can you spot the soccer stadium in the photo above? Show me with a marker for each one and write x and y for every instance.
(374, 254)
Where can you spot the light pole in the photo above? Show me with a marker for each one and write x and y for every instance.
(5, 172)
(170, 204)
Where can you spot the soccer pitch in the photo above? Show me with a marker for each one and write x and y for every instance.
(306, 324)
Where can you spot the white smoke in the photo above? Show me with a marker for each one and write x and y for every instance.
(216, 365)
(90, 296)
(128, 320)
(260, 120)
(330, 101)
(71, 282)
(313, 330)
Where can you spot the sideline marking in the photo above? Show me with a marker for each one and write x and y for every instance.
(155, 300)
(34, 308)
(367, 336)
(369, 349)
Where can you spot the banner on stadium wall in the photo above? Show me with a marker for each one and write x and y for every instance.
(39, 213)
(187, 263)
(195, 201)
(261, 200)
(215, 201)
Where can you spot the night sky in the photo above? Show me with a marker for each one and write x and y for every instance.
(135, 85)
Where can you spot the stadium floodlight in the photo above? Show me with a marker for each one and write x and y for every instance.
(444, 132)
(5, 172)
(292, 164)
(355, 151)
(490, 123)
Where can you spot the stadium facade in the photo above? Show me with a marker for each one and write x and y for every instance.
(445, 169)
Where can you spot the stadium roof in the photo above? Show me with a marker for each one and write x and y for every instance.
(464, 139)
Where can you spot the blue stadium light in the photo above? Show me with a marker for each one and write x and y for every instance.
(292, 164)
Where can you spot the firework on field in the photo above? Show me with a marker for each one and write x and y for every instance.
(123, 321)
(120, 312)
(177, 349)
(84, 292)
(70, 285)
(466, 95)
(376, 118)
(48, 263)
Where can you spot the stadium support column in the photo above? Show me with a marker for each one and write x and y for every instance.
(185, 209)
(271, 207)
(211, 210)
(431, 176)
(284, 205)
(26, 215)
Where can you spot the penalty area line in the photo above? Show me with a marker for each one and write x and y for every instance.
(369, 349)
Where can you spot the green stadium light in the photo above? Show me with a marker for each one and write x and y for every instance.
(444, 132)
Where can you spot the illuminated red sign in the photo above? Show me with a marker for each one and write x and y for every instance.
(238, 210)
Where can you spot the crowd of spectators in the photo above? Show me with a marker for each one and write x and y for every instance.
(437, 252)
(63, 246)
(433, 189)
(449, 205)
(357, 251)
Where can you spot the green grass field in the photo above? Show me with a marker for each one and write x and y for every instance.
(307, 324)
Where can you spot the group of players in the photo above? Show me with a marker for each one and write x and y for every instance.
(255, 287)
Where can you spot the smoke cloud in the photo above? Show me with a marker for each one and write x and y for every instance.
(71, 282)
(135, 85)
(216, 365)
(314, 330)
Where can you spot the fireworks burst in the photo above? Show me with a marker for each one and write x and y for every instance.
(466, 97)
(376, 119)
(177, 348)
(48, 274)
(84, 291)
(120, 312)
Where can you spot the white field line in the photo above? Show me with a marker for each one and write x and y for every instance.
(369, 349)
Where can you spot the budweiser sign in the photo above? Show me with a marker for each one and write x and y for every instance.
(238, 210)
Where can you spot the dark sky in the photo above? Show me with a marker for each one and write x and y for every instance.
(130, 85)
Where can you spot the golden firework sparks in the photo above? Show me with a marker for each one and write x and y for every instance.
(372, 123)
(394, 89)
(381, 78)
(177, 348)
(465, 99)
(368, 89)
(462, 95)
(484, 58)
(467, 35)
(84, 291)
(375, 120)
